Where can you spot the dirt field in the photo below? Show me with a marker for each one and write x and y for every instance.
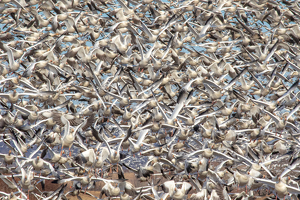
(95, 191)
(52, 187)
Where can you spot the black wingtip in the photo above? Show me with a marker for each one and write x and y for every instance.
(55, 181)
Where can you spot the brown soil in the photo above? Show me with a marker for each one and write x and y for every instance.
(95, 191)
(52, 187)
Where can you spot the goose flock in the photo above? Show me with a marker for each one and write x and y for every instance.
(198, 98)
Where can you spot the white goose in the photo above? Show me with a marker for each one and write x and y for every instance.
(69, 135)
(281, 188)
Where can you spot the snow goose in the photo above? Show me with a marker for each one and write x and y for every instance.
(38, 164)
(281, 188)
(69, 135)
(8, 158)
(114, 155)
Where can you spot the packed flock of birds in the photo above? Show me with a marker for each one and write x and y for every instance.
(199, 98)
